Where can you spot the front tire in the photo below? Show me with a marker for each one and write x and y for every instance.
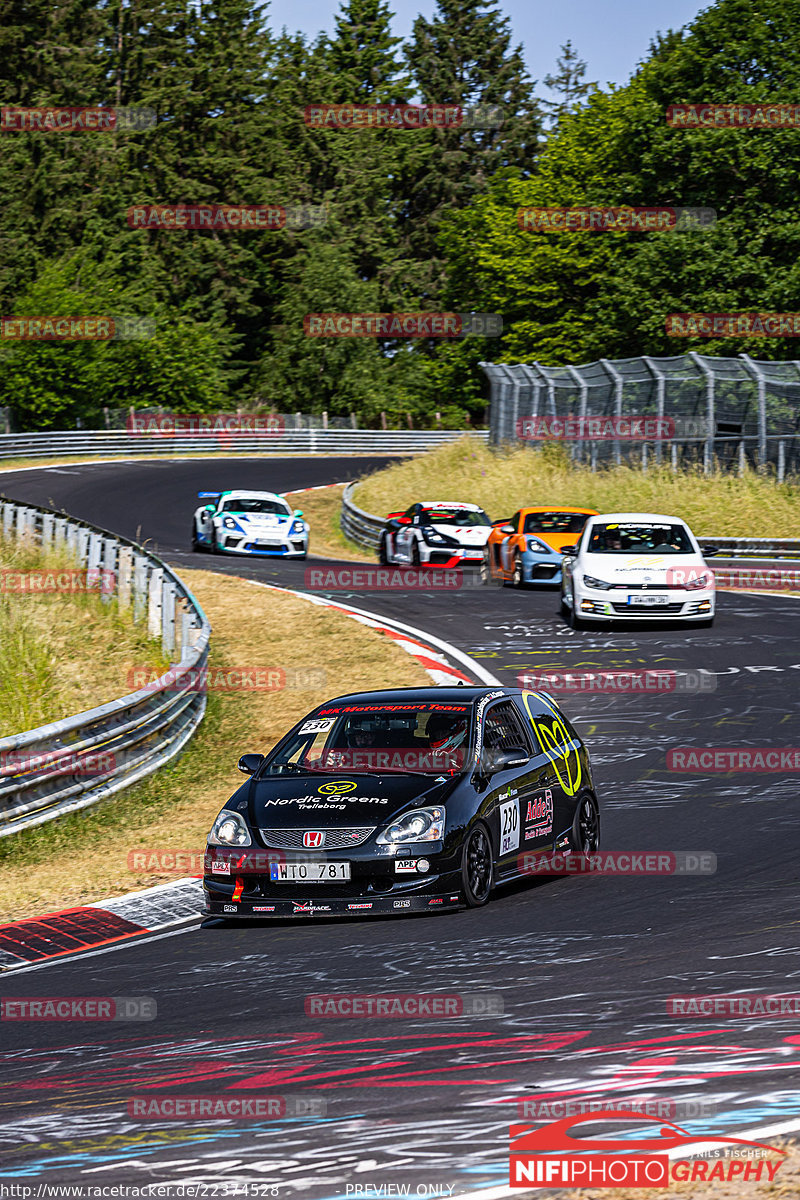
(575, 621)
(518, 579)
(196, 544)
(383, 556)
(477, 867)
(214, 543)
(415, 558)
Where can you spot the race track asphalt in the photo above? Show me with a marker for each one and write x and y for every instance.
(584, 966)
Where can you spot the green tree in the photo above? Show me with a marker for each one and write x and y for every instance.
(568, 83)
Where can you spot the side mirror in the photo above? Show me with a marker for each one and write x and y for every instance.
(502, 760)
(569, 552)
(298, 512)
(710, 551)
(249, 763)
(209, 508)
(507, 529)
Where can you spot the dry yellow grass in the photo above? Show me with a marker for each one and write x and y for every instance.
(503, 481)
(85, 857)
(322, 509)
(61, 653)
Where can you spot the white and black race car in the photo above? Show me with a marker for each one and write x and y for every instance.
(238, 522)
(435, 533)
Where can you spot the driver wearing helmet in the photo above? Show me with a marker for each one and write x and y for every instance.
(446, 736)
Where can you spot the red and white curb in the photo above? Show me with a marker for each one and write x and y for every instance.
(433, 653)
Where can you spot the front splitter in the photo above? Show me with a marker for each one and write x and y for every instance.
(382, 906)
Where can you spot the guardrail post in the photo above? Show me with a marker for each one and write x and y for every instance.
(674, 458)
(108, 579)
(124, 578)
(154, 602)
(21, 522)
(168, 618)
(72, 539)
(83, 544)
(593, 456)
(47, 530)
(781, 461)
(8, 519)
(60, 533)
(742, 458)
(93, 560)
(187, 633)
(140, 589)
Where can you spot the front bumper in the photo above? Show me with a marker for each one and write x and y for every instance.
(539, 569)
(472, 556)
(289, 548)
(375, 885)
(613, 605)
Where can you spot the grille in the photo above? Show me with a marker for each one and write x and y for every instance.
(655, 610)
(335, 839)
(543, 571)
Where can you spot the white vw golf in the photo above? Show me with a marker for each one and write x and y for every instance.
(637, 565)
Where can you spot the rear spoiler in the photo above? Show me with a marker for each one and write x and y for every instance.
(208, 495)
(395, 514)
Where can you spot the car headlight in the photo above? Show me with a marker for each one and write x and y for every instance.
(591, 582)
(229, 523)
(702, 581)
(535, 544)
(421, 825)
(229, 829)
(297, 528)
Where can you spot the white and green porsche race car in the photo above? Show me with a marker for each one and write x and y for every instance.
(258, 523)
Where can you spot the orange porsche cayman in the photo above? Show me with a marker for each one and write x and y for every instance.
(527, 548)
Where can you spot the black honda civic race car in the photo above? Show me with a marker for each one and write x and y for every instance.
(411, 800)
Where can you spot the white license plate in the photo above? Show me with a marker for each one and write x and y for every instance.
(268, 542)
(648, 601)
(320, 872)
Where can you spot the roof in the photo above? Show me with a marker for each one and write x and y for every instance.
(640, 516)
(567, 508)
(450, 504)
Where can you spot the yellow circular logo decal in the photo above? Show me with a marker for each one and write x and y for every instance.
(337, 788)
(555, 740)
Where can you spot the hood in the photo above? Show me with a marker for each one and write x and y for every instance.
(259, 520)
(556, 541)
(641, 568)
(467, 535)
(292, 802)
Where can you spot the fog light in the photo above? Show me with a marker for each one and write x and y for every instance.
(704, 606)
(587, 606)
(423, 865)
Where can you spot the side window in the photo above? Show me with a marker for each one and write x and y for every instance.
(503, 729)
(515, 522)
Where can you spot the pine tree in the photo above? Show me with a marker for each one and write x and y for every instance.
(568, 83)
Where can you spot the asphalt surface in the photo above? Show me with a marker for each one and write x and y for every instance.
(584, 966)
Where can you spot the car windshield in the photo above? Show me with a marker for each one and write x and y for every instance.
(640, 538)
(554, 522)
(455, 516)
(404, 738)
(253, 504)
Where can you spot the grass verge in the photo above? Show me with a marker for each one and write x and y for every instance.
(322, 509)
(506, 480)
(61, 652)
(84, 857)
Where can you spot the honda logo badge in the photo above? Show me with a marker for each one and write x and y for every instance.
(314, 839)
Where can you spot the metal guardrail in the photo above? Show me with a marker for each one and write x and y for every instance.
(361, 527)
(73, 763)
(291, 441)
(365, 529)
